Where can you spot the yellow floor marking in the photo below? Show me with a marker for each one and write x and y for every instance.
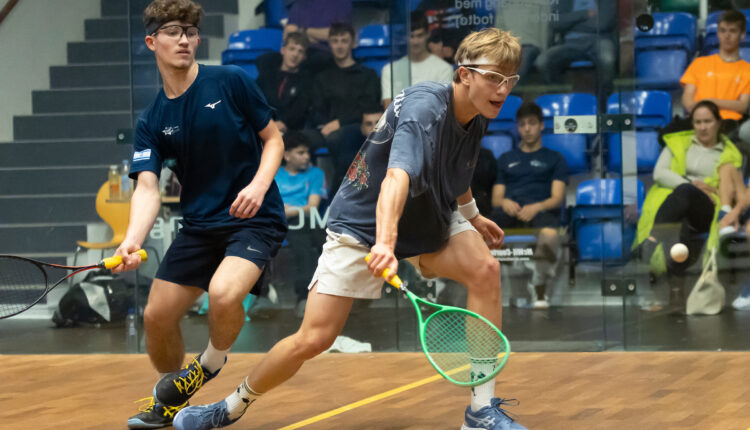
(371, 399)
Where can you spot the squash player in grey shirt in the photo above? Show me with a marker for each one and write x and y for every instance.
(406, 196)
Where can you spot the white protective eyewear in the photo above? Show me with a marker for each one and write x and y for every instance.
(497, 78)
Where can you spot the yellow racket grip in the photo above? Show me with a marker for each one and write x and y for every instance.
(112, 262)
(396, 281)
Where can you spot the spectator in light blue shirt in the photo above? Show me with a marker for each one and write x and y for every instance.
(302, 188)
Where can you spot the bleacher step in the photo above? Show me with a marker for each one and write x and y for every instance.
(41, 239)
(116, 51)
(81, 180)
(116, 27)
(61, 153)
(91, 99)
(87, 125)
(102, 75)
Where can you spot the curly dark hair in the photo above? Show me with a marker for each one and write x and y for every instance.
(161, 11)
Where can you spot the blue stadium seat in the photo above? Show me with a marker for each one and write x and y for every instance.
(506, 120)
(596, 223)
(246, 45)
(672, 30)
(375, 41)
(565, 104)
(652, 109)
(250, 68)
(572, 146)
(660, 68)
(376, 64)
(497, 143)
(647, 151)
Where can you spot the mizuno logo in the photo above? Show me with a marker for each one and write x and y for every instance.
(513, 164)
(213, 105)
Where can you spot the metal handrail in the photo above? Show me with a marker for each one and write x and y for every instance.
(5, 11)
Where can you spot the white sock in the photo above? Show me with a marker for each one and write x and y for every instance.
(212, 359)
(238, 401)
(482, 395)
(726, 208)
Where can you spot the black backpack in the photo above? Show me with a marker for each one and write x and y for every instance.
(99, 298)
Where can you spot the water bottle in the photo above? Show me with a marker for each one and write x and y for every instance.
(114, 183)
(126, 189)
(131, 331)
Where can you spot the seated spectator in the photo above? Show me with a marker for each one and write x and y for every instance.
(694, 179)
(419, 66)
(723, 78)
(584, 31)
(286, 88)
(524, 20)
(302, 188)
(341, 92)
(351, 140)
(313, 18)
(528, 193)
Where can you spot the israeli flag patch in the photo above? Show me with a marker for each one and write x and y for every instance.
(141, 155)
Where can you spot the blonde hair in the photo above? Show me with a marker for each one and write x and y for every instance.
(492, 46)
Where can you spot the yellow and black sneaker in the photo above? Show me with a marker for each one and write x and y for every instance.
(176, 388)
(153, 415)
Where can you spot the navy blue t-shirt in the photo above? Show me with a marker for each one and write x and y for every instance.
(528, 176)
(419, 134)
(212, 132)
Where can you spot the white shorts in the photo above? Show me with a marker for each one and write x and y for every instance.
(342, 270)
(459, 224)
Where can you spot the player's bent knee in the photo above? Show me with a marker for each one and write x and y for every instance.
(485, 278)
(155, 317)
(312, 343)
(224, 299)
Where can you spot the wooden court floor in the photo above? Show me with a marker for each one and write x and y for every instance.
(600, 390)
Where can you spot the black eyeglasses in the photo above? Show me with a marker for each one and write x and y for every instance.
(176, 31)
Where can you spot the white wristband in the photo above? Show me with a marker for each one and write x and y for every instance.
(469, 210)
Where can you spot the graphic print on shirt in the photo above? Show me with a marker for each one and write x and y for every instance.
(358, 173)
(168, 131)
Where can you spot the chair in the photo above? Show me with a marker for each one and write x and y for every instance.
(660, 68)
(375, 41)
(652, 109)
(498, 144)
(247, 45)
(573, 148)
(596, 221)
(671, 30)
(647, 151)
(565, 104)
(116, 213)
(506, 120)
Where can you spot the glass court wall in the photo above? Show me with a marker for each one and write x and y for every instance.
(605, 93)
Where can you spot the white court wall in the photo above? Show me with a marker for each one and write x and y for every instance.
(33, 37)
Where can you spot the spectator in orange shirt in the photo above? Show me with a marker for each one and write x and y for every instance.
(723, 78)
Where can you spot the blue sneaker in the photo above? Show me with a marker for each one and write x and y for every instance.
(177, 388)
(204, 417)
(742, 302)
(491, 417)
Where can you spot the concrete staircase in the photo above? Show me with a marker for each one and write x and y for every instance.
(59, 156)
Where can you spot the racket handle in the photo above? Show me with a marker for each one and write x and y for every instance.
(112, 262)
(396, 281)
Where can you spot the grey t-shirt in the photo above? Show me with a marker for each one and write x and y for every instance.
(419, 134)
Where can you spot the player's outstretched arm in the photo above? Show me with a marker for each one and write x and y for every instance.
(248, 201)
(391, 201)
(144, 207)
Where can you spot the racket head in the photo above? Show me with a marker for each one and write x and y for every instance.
(23, 283)
(452, 338)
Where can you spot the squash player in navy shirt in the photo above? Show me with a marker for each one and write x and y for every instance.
(406, 195)
(216, 124)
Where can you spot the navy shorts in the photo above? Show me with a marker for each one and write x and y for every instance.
(192, 259)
